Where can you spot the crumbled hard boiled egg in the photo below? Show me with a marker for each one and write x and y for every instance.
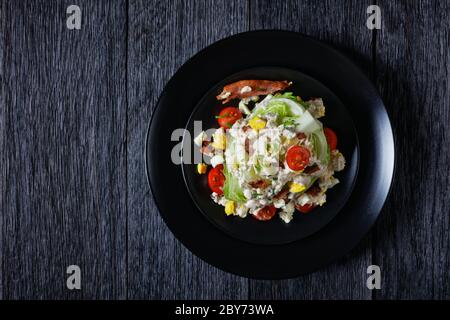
(296, 187)
(201, 168)
(219, 139)
(256, 123)
(229, 207)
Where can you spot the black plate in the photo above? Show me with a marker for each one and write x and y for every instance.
(375, 161)
(274, 231)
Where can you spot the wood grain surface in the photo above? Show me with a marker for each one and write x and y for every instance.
(74, 110)
(163, 35)
(412, 238)
(64, 136)
(2, 140)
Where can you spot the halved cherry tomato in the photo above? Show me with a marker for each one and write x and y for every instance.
(265, 213)
(297, 158)
(228, 116)
(216, 179)
(305, 208)
(331, 138)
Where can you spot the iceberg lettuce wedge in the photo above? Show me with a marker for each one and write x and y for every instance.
(231, 188)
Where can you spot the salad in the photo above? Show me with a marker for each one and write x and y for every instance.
(270, 154)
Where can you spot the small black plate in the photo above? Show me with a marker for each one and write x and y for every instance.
(274, 231)
(373, 156)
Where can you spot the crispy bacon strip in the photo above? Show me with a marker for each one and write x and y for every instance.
(314, 190)
(249, 88)
(311, 169)
(262, 184)
(282, 194)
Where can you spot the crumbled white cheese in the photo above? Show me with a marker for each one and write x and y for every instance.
(285, 216)
(327, 182)
(251, 204)
(216, 160)
(289, 208)
(215, 197)
(303, 199)
(337, 160)
(316, 107)
(289, 133)
(218, 199)
(241, 211)
(320, 199)
(279, 203)
(286, 213)
(247, 193)
(302, 179)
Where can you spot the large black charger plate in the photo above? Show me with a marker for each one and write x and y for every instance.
(357, 114)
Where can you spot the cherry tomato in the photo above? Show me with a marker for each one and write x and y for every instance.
(228, 116)
(265, 213)
(297, 158)
(331, 138)
(305, 208)
(216, 179)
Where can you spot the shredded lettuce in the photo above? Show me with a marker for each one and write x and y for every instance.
(289, 112)
(290, 121)
(286, 95)
(231, 188)
(243, 107)
(279, 108)
(304, 104)
(320, 146)
(291, 96)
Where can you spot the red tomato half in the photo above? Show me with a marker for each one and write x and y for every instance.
(265, 213)
(331, 138)
(305, 208)
(216, 179)
(228, 116)
(297, 158)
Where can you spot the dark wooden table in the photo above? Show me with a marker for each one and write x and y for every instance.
(74, 109)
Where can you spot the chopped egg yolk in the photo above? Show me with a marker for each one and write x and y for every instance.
(257, 123)
(296, 187)
(201, 168)
(230, 207)
(220, 141)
